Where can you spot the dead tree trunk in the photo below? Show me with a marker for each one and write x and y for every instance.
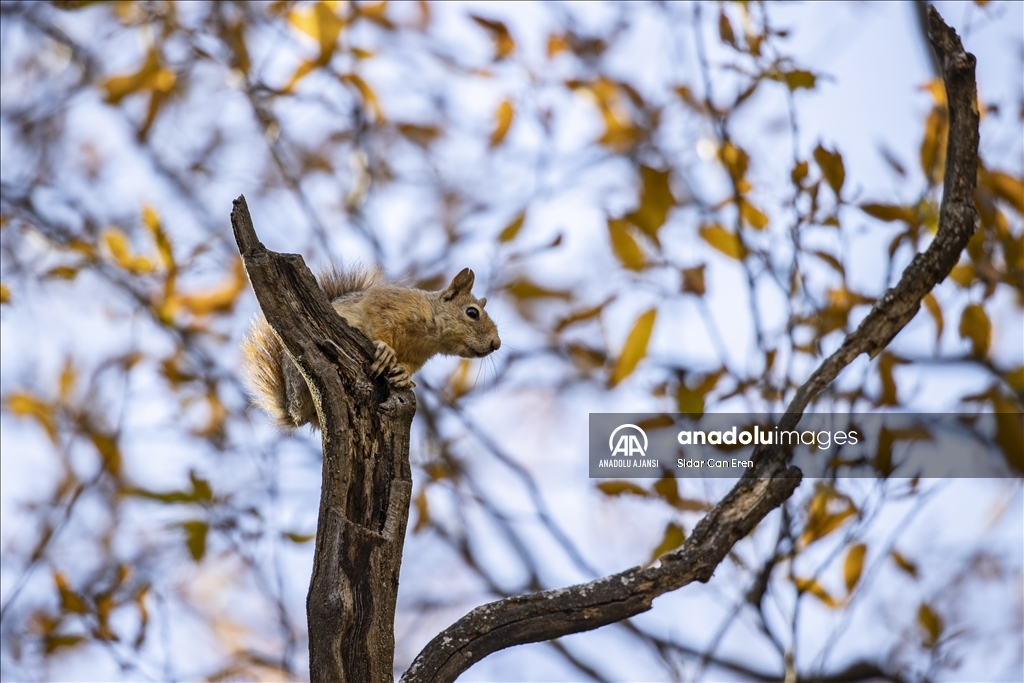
(367, 484)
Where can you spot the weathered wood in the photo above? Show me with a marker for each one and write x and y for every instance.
(367, 483)
(771, 481)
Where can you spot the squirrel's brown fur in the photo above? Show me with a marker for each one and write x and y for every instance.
(408, 326)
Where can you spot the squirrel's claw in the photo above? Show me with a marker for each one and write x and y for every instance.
(386, 363)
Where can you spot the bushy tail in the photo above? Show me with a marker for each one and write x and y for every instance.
(263, 357)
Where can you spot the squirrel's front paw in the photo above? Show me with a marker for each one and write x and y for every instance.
(386, 363)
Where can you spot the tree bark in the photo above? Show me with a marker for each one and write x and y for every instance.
(367, 482)
(771, 480)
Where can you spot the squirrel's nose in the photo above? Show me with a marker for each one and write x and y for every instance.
(495, 344)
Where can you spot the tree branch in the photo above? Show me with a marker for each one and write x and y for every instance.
(367, 482)
(771, 481)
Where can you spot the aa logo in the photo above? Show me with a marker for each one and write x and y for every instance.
(628, 443)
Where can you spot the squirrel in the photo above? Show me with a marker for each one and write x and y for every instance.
(408, 327)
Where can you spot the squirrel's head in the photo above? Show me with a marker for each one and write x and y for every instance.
(468, 330)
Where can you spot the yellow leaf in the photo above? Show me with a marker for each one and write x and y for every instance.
(736, 161)
(556, 43)
(853, 566)
(512, 229)
(655, 201)
(25, 404)
(419, 135)
(110, 452)
(117, 244)
(503, 43)
(672, 539)
(933, 308)
(903, 563)
(320, 23)
(306, 66)
(502, 122)
(67, 380)
(1015, 378)
(525, 289)
(831, 164)
(886, 363)
(195, 538)
(668, 488)
(930, 623)
(581, 315)
(150, 76)
(369, 97)
(723, 240)
(816, 589)
(459, 383)
(1005, 186)
(624, 246)
(617, 488)
(799, 172)
(752, 215)
(151, 219)
(5, 294)
(220, 299)
(798, 78)
(933, 145)
(890, 212)
(297, 538)
(975, 325)
(70, 601)
(635, 348)
(826, 511)
(422, 511)
(693, 280)
(962, 274)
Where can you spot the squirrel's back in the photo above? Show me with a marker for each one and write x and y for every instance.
(263, 356)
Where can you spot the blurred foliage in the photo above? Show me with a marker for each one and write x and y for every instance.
(599, 187)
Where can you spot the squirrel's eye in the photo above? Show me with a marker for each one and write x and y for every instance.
(473, 312)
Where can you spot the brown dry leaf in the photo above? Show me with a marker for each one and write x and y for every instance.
(635, 348)
(903, 563)
(673, 537)
(693, 280)
(624, 246)
(798, 78)
(725, 31)
(504, 45)
(502, 122)
(975, 325)
(831, 164)
(723, 240)
(423, 136)
(890, 212)
(655, 201)
(799, 172)
(816, 589)
(853, 566)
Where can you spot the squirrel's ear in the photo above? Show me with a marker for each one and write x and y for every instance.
(483, 302)
(462, 283)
